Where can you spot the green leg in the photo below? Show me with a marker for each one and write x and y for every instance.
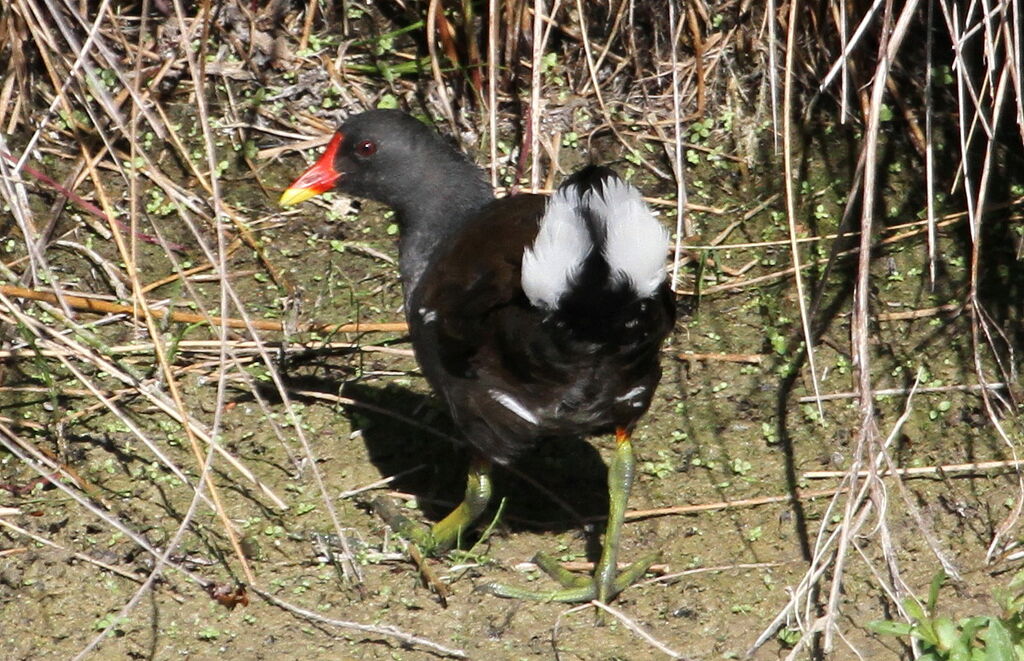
(620, 483)
(607, 582)
(447, 532)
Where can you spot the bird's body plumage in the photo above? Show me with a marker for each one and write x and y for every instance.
(513, 372)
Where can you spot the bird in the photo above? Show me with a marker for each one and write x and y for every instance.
(534, 318)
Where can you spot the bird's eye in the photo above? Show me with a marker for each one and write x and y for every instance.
(366, 148)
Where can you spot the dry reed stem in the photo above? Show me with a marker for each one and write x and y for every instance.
(382, 631)
(748, 358)
(789, 176)
(623, 618)
(637, 515)
(97, 306)
(952, 470)
(867, 432)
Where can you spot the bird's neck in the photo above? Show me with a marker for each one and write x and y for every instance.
(431, 220)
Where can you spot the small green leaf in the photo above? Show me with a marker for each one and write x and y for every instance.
(890, 628)
(998, 646)
(971, 626)
(926, 631)
(933, 590)
(946, 632)
(913, 609)
(960, 652)
(388, 101)
(209, 633)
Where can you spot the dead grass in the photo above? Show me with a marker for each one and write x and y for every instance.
(141, 153)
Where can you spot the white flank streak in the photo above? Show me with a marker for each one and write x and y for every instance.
(635, 392)
(513, 404)
(636, 243)
(428, 316)
(557, 253)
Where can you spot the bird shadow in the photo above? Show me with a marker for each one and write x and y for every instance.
(559, 485)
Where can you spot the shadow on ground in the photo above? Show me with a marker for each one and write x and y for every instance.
(560, 485)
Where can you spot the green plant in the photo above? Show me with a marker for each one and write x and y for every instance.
(661, 468)
(976, 638)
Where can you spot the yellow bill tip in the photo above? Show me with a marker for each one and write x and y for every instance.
(295, 195)
(319, 178)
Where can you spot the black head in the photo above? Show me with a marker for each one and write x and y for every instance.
(391, 157)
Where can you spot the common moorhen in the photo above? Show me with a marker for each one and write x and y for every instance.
(534, 318)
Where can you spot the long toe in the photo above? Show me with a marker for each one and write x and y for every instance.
(576, 589)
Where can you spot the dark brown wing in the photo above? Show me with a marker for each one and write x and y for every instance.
(477, 277)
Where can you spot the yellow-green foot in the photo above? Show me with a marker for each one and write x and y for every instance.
(576, 588)
(417, 533)
(446, 533)
(607, 581)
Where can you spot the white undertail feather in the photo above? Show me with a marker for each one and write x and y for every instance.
(635, 244)
(558, 251)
